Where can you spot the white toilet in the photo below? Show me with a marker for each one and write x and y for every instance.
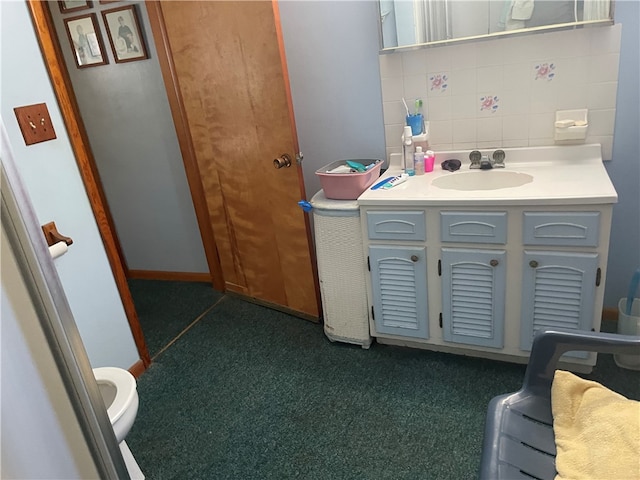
(118, 389)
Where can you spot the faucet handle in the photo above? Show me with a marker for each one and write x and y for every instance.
(498, 158)
(475, 157)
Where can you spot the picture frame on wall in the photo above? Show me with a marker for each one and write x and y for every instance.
(125, 35)
(69, 6)
(85, 40)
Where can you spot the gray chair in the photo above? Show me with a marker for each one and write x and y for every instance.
(518, 436)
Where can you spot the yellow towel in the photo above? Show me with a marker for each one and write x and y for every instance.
(597, 430)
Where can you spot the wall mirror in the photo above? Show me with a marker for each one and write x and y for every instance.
(412, 23)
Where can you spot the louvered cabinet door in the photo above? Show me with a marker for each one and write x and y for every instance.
(399, 287)
(473, 296)
(558, 291)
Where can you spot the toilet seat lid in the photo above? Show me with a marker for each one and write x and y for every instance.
(125, 385)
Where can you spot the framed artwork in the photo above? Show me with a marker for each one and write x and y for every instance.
(86, 43)
(125, 36)
(73, 5)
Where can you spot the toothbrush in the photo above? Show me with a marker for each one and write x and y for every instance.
(405, 106)
(418, 105)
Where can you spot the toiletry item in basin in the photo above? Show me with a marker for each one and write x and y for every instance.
(358, 167)
(341, 169)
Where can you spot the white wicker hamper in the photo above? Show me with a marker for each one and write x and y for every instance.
(341, 269)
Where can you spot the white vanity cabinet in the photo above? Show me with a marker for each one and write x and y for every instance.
(397, 260)
(560, 285)
(471, 263)
(399, 290)
(473, 280)
(482, 281)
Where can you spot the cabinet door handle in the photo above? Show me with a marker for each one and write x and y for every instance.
(533, 264)
(414, 258)
(494, 263)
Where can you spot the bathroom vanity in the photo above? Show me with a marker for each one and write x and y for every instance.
(474, 262)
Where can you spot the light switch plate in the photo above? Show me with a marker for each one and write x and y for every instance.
(35, 123)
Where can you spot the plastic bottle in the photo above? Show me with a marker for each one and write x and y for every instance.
(418, 161)
(407, 148)
(429, 159)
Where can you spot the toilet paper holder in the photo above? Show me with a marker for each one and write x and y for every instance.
(52, 236)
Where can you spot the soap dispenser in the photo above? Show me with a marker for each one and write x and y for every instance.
(418, 161)
(408, 151)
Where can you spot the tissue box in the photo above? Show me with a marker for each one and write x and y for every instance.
(348, 186)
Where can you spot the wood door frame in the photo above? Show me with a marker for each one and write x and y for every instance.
(180, 120)
(61, 83)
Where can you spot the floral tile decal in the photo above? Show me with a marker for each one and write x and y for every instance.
(438, 82)
(489, 103)
(545, 71)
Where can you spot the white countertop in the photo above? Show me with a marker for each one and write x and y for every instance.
(562, 175)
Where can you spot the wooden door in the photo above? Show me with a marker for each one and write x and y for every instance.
(230, 79)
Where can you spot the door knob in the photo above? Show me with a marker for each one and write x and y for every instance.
(494, 263)
(533, 264)
(414, 258)
(283, 160)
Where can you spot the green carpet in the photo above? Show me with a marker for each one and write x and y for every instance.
(249, 392)
(166, 308)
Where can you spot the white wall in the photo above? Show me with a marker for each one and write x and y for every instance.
(582, 72)
(41, 437)
(53, 182)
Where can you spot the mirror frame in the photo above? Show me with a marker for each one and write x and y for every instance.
(489, 36)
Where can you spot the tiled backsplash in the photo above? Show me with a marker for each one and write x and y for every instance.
(505, 92)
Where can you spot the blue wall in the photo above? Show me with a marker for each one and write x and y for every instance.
(126, 113)
(624, 169)
(332, 58)
(52, 180)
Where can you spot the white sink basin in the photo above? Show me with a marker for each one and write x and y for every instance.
(482, 180)
(545, 175)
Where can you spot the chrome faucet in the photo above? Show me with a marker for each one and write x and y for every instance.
(483, 162)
